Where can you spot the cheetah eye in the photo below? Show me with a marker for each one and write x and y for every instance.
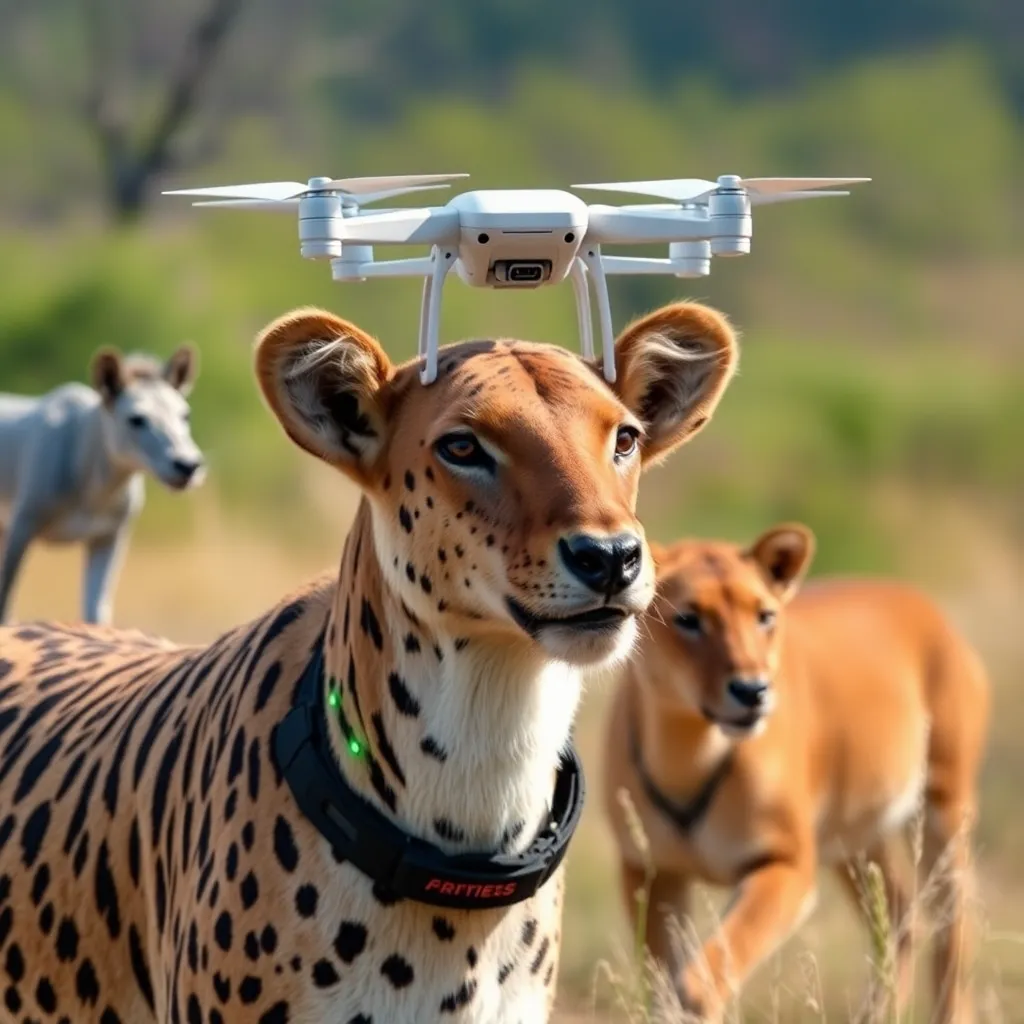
(464, 451)
(766, 618)
(625, 442)
(688, 623)
(137, 421)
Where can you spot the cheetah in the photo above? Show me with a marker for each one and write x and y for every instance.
(156, 863)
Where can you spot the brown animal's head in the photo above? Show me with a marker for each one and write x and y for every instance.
(713, 632)
(504, 494)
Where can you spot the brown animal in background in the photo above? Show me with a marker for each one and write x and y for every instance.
(761, 732)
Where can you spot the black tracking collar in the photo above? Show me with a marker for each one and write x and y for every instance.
(405, 866)
(685, 816)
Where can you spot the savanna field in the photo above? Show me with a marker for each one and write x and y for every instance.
(880, 397)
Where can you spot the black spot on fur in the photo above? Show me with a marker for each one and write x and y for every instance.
(40, 884)
(249, 890)
(250, 989)
(35, 768)
(446, 829)
(254, 768)
(443, 928)
(267, 685)
(231, 862)
(67, 941)
(222, 931)
(370, 625)
(252, 946)
(387, 752)
(222, 986)
(284, 845)
(542, 951)
(412, 644)
(306, 900)
(134, 852)
(471, 957)
(45, 996)
(86, 985)
(529, 931)
(425, 584)
(277, 1014)
(504, 971)
(106, 892)
(248, 835)
(410, 572)
(433, 749)
(15, 965)
(324, 974)
(194, 1012)
(410, 481)
(406, 703)
(350, 941)
(405, 519)
(34, 833)
(457, 1000)
(397, 970)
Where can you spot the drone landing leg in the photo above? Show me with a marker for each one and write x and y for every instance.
(592, 260)
(430, 312)
(581, 290)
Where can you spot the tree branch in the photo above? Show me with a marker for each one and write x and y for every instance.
(206, 41)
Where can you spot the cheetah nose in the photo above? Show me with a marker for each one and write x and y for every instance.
(606, 565)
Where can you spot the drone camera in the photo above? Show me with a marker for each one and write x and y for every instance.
(521, 272)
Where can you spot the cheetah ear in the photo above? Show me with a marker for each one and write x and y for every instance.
(672, 368)
(783, 554)
(107, 373)
(321, 377)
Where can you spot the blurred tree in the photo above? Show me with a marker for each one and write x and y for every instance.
(131, 163)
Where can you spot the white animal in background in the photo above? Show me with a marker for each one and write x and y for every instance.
(72, 463)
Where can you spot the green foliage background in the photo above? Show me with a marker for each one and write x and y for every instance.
(880, 397)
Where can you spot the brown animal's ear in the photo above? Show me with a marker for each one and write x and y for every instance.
(784, 555)
(672, 367)
(181, 370)
(321, 377)
(107, 373)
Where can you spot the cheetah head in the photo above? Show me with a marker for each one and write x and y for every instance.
(504, 494)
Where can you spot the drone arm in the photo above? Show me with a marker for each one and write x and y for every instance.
(419, 266)
(637, 265)
(612, 225)
(430, 226)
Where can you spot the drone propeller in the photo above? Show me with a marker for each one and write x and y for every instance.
(691, 190)
(359, 190)
(293, 201)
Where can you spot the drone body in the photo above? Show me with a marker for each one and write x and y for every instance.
(520, 238)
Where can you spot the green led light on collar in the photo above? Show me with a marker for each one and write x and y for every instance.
(355, 746)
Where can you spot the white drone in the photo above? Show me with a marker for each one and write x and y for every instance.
(519, 238)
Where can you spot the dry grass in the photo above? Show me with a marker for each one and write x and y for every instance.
(224, 573)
